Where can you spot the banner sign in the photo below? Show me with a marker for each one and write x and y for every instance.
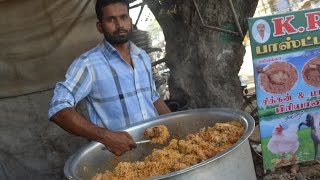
(286, 59)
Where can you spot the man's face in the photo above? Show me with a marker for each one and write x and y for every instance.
(116, 23)
(261, 28)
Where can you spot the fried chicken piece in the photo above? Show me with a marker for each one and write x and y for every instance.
(278, 77)
(157, 134)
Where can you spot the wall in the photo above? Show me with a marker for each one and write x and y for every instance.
(32, 147)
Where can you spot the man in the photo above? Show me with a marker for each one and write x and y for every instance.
(262, 36)
(114, 78)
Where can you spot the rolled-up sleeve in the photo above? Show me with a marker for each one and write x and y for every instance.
(77, 85)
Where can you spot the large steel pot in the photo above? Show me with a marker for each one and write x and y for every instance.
(233, 163)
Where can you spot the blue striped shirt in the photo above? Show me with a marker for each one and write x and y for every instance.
(116, 94)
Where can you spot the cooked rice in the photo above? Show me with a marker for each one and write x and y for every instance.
(179, 154)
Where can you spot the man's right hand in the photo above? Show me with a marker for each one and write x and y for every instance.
(119, 142)
(116, 142)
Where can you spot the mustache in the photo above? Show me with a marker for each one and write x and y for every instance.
(121, 31)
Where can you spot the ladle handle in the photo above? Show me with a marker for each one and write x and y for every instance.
(143, 141)
(138, 142)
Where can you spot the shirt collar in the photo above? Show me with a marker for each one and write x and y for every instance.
(110, 50)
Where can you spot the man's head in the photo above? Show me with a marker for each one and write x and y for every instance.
(260, 28)
(114, 20)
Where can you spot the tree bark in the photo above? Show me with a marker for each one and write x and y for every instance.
(203, 63)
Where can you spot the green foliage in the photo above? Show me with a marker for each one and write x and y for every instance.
(266, 112)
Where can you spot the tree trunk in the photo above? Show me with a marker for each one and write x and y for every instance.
(203, 63)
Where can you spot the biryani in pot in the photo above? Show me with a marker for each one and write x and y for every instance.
(179, 154)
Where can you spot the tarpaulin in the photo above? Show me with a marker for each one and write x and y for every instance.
(39, 39)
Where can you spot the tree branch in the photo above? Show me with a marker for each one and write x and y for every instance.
(155, 7)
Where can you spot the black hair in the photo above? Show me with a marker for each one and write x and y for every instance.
(100, 4)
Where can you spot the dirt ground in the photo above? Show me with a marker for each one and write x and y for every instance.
(301, 171)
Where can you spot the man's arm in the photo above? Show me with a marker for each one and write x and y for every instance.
(161, 107)
(71, 121)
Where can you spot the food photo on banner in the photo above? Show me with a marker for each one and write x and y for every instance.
(286, 61)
